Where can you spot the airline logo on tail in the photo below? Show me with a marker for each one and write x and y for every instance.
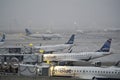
(106, 46)
(3, 38)
(27, 32)
(71, 40)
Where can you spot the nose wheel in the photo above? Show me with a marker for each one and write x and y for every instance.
(94, 78)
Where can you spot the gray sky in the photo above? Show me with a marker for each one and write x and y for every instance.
(59, 14)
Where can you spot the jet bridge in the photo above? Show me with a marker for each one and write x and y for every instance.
(10, 62)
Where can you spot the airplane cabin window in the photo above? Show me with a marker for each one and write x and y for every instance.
(83, 70)
(71, 70)
(74, 70)
(103, 71)
(77, 71)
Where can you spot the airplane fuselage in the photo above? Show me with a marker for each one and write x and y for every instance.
(112, 73)
(45, 36)
(53, 48)
(73, 56)
(1, 43)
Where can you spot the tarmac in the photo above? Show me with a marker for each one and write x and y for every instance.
(15, 77)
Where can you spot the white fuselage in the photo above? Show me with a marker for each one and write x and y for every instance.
(53, 48)
(45, 36)
(1, 43)
(85, 72)
(73, 56)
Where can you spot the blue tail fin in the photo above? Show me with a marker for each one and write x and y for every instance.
(27, 32)
(71, 40)
(3, 38)
(106, 46)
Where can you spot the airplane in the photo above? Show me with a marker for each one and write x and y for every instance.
(59, 47)
(2, 41)
(46, 36)
(95, 62)
(69, 58)
(87, 73)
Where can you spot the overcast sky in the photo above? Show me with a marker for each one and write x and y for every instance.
(59, 14)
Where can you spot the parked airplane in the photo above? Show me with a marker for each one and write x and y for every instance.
(46, 36)
(69, 58)
(2, 40)
(58, 47)
(92, 73)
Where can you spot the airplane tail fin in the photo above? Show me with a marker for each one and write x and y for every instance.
(3, 38)
(71, 40)
(27, 32)
(106, 46)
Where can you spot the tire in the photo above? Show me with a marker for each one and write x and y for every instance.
(94, 78)
(14, 62)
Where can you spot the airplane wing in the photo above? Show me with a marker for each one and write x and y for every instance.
(73, 60)
(107, 53)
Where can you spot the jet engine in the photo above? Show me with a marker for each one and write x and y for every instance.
(96, 63)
